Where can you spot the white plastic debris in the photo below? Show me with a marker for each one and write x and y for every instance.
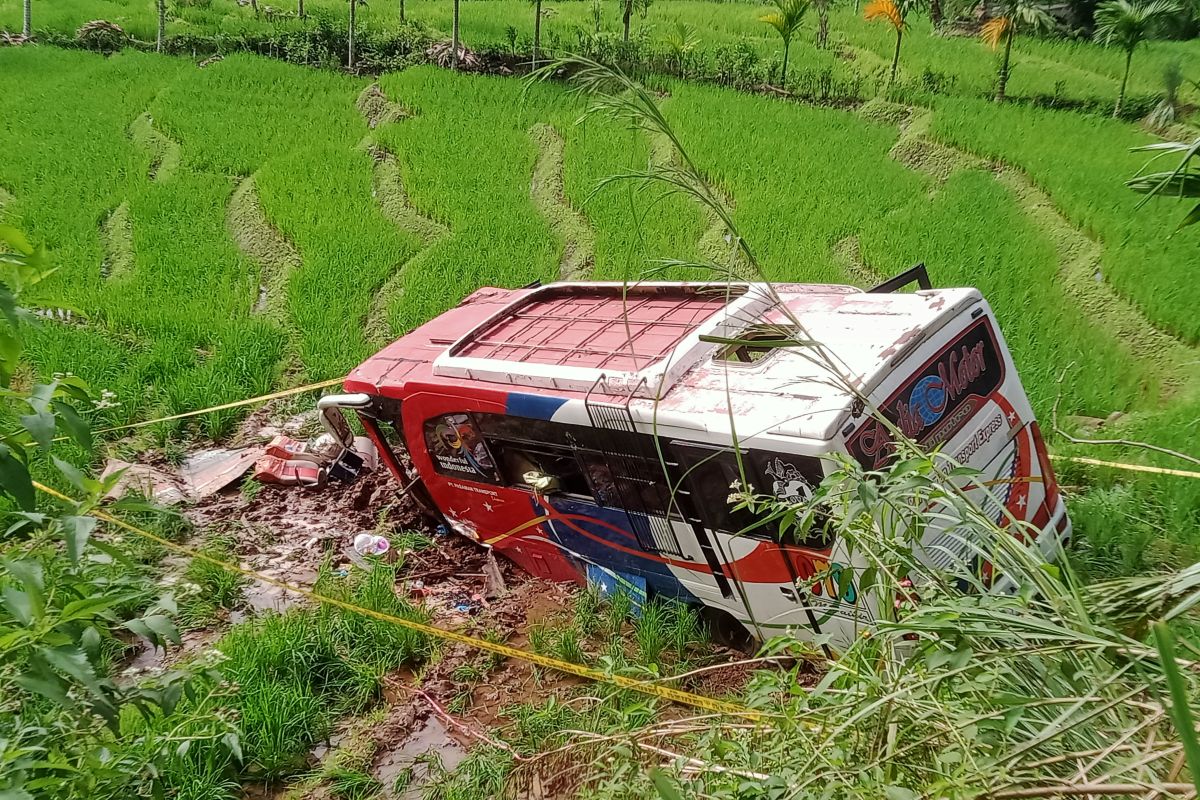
(368, 544)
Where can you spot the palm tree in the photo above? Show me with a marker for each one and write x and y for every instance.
(402, 17)
(454, 39)
(1017, 14)
(1128, 24)
(537, 30)
(822, 7)
(162, 24)
(627, 15)
(896, 15)
(786, 21)
(27, 20)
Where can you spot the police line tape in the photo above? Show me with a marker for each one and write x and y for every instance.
(650, 688)
(1095, 462)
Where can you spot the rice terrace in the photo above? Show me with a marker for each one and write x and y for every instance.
(599, 399)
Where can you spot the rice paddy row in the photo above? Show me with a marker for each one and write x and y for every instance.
(221, 227)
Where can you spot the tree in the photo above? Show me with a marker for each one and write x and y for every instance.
(27, 19)
(1017, 15)
(454, 39)
(1182, 181)
(300, 8)
(679, 43)
(162, 24)
(350, 36)
(537, 31)
(822, 7)
(786, 21)
(896, 15)
(1127, 24)
(627, 15)
(402, 17)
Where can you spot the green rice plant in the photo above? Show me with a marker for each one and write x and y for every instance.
(279, 722)
(209, 588)
(568, 645)
(587, 606)
(654, 631)
(480, 776)
(616, 613)
(351, 784)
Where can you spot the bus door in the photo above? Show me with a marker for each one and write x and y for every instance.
(780, 585)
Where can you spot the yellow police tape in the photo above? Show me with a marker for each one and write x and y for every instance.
(262, 398)
(1095, 462)
(654, 689)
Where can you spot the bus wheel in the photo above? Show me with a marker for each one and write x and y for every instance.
(724, 629)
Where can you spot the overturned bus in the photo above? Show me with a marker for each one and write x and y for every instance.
(585, 431)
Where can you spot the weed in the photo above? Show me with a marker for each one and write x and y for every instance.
(250, 489)
(617, 613)
(652, 631)
(210, 588)
(480, 776)
(588, 604)
(348, 784)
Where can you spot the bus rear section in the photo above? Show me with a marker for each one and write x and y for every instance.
(957, 391)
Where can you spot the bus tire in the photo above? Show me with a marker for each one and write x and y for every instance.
(724, 629)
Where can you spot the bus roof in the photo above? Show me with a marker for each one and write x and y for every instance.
(665, 349)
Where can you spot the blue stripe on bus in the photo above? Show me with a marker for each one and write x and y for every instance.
(536, 406)
(658, 575)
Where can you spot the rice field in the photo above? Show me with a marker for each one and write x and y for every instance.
(229, 229)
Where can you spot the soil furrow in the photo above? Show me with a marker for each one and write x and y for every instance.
(163, 150)
(116, 236)
(549, 196)
(276, 256)
(387, 187)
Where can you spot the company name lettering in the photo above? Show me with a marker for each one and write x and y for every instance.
(955, 374)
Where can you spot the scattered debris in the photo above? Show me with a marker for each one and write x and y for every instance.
(143, 479)
(209, 471)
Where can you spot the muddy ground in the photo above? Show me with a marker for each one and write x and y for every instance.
(288, 532)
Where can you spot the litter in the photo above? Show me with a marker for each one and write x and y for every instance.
(368, 544)
(143, 479)
(209, 471)
(270, 469)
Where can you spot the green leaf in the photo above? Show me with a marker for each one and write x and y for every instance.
(29, 573)
(15, 480)
(666, 787)
(74, 425)
(19, 605)
(75, 476)
(45, 683)
(41, 427)
(72, 661)
(88, 607)
(10, 356)
(162, 626)
(77, 530)
(8, 305)
(15, 239)
(1191, 219)
(1181, 710)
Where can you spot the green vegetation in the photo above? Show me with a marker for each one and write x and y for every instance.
(208, 589)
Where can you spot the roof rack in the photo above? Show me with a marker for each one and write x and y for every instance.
(637, 338)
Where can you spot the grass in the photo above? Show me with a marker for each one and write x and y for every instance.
(210, 589)
(297, 672)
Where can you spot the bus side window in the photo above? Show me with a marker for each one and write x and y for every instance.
(791, 479)
(517, 459)
(711, 476)
(629, 482)
(457, 450)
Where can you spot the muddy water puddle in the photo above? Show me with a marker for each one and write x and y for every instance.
(405, 769)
